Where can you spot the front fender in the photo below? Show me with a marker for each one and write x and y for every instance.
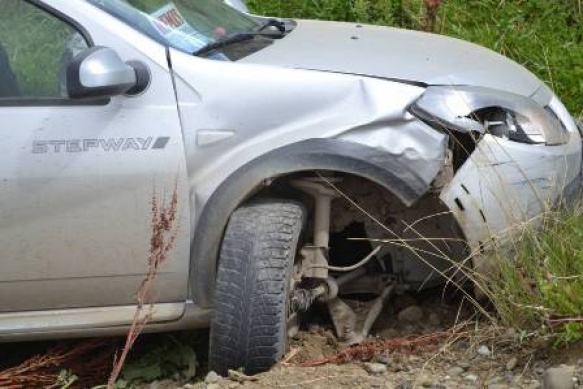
(385, 169)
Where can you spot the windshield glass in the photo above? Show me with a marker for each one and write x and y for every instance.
(186, 25)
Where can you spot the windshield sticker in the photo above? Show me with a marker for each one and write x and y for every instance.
(170, 23)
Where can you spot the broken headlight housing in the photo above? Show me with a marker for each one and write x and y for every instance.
(483, 110)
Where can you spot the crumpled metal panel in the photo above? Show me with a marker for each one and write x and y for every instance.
(271, 107)
(414, 143)
(504, 184)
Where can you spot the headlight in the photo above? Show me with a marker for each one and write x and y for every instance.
(484, 110)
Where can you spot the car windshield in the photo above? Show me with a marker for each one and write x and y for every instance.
(186, 25)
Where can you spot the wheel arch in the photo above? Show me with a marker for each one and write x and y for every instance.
(333, 155)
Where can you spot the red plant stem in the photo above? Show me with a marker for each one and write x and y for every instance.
(161, 242)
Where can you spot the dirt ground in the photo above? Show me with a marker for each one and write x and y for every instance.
(429, 340)
(412, 345)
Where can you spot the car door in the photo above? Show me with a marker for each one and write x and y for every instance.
(77, 177)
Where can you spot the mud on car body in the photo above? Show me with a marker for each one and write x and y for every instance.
(426, 147)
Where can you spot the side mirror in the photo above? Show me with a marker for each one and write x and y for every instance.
(99, 72)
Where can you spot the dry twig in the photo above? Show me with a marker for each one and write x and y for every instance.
(367, 350)
(164, 232)
(88, 360)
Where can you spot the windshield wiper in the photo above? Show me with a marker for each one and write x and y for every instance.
(226, 41)
(273, 23)
(230, 40)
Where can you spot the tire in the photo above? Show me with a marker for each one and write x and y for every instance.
(248, 329)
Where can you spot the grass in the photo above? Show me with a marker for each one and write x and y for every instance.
(538, 287)
(35, 42)
(544, 36)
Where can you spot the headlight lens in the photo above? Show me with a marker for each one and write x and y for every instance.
(484, 110)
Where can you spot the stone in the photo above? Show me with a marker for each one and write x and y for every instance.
(511, 364)
(164, 384)
(212, 378)
(534, 384)
(498, 386)
(213, 386)
(559, 377)
(425, 381)
(384, 358)
(405, 385)
(434, 319)
(455, 371)
(375, 368)
(471, 377)
(412, 314)
(495, 380)
(484, 351)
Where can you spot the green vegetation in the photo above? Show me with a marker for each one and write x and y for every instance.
(539, 285)
(35, 43)
(545, 36)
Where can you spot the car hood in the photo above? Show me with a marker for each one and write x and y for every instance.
(395, 54)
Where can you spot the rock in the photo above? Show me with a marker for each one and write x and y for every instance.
(471, 377)
(212, 378)
(559, 377)
(425, 381)
(385, 359)
(455, 371)
(412, 314)
(539, 371)
(534, 384)
(511, 364)
(405, 385)
(434, 319)
(498, 386)
(495, 380)
(213, 386)
(375, 368)
(484, 351)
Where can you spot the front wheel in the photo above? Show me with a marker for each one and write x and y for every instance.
(257, 254)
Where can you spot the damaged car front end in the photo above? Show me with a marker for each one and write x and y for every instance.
(312, 162)
(411, 172)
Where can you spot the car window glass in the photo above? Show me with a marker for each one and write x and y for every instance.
(187, 25)
(35, 48)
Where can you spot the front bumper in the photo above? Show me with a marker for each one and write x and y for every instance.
(505, 184)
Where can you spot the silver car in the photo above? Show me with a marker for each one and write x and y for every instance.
(282, 139)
